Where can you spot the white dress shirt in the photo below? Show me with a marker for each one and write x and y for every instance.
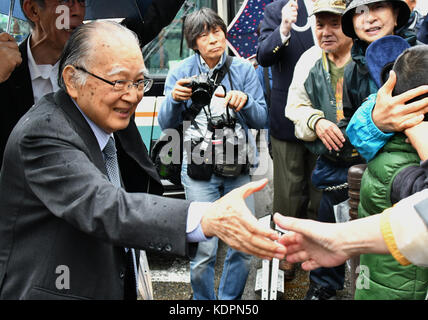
(44, 77)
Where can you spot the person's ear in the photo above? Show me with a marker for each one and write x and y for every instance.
(31, 9)
(396, 13)
(69, 77)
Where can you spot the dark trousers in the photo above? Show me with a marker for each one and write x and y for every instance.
(331, 278)
(294, 195)
(130, 281)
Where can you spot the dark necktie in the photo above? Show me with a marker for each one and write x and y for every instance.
(112, 166)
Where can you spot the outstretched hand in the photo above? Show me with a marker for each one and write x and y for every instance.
(392, 114)
(312, 242)
(230, 220)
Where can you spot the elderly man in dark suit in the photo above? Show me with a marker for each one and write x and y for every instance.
(74, 185)
(280, 47)
(29, 72)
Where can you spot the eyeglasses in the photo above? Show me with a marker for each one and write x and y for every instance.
(82, 3)
(123, 85)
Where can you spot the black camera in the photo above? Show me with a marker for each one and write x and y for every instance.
(220, 122)
(203, 88)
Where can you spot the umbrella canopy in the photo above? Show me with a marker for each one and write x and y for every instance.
(96, 9)
(17, 12)
(242, 32)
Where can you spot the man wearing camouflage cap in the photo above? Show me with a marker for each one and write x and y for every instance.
(315, 107)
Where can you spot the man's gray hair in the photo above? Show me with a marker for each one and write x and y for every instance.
(199, 21)
(79, 49)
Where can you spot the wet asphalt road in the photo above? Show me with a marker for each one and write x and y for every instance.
(171, 277)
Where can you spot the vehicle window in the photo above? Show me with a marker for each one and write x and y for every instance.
(237, 5)
(168, 48)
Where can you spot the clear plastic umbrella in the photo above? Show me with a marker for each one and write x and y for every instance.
(96, 9)
(9, 21)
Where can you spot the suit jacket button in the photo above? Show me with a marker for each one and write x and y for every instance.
(168, 248)
(122, 275)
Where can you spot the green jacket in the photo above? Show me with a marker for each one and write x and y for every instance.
(320, 92)
(381, 276)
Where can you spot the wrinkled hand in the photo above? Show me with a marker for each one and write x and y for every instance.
(181, 92)
(230, 220)
(10, 56)
(392, 114)
(235, 99)
(312, 242)
(288, 17)
(330, 134)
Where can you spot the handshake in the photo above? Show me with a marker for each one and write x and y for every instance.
(229, 219)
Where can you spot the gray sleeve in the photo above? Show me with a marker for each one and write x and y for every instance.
(60, 174)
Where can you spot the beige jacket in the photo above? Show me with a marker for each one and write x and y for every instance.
(404, 231)
(299, 107)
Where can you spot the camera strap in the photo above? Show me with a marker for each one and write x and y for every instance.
(219, 75)
(189, 114)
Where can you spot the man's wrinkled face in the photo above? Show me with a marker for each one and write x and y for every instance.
(328, 30)
(108, 108)
(57, 19)
(211, 44)
(375, 21)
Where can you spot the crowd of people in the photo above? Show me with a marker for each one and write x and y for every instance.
(347, 119)
(78, 187)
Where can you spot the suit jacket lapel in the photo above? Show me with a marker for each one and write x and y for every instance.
(136, 149)
(129, 139)
(84, 130)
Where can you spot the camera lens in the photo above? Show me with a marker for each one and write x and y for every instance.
(201, 96)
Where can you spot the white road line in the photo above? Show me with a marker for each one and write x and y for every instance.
(182, 276)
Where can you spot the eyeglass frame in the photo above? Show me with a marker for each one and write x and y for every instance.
(147, 82)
